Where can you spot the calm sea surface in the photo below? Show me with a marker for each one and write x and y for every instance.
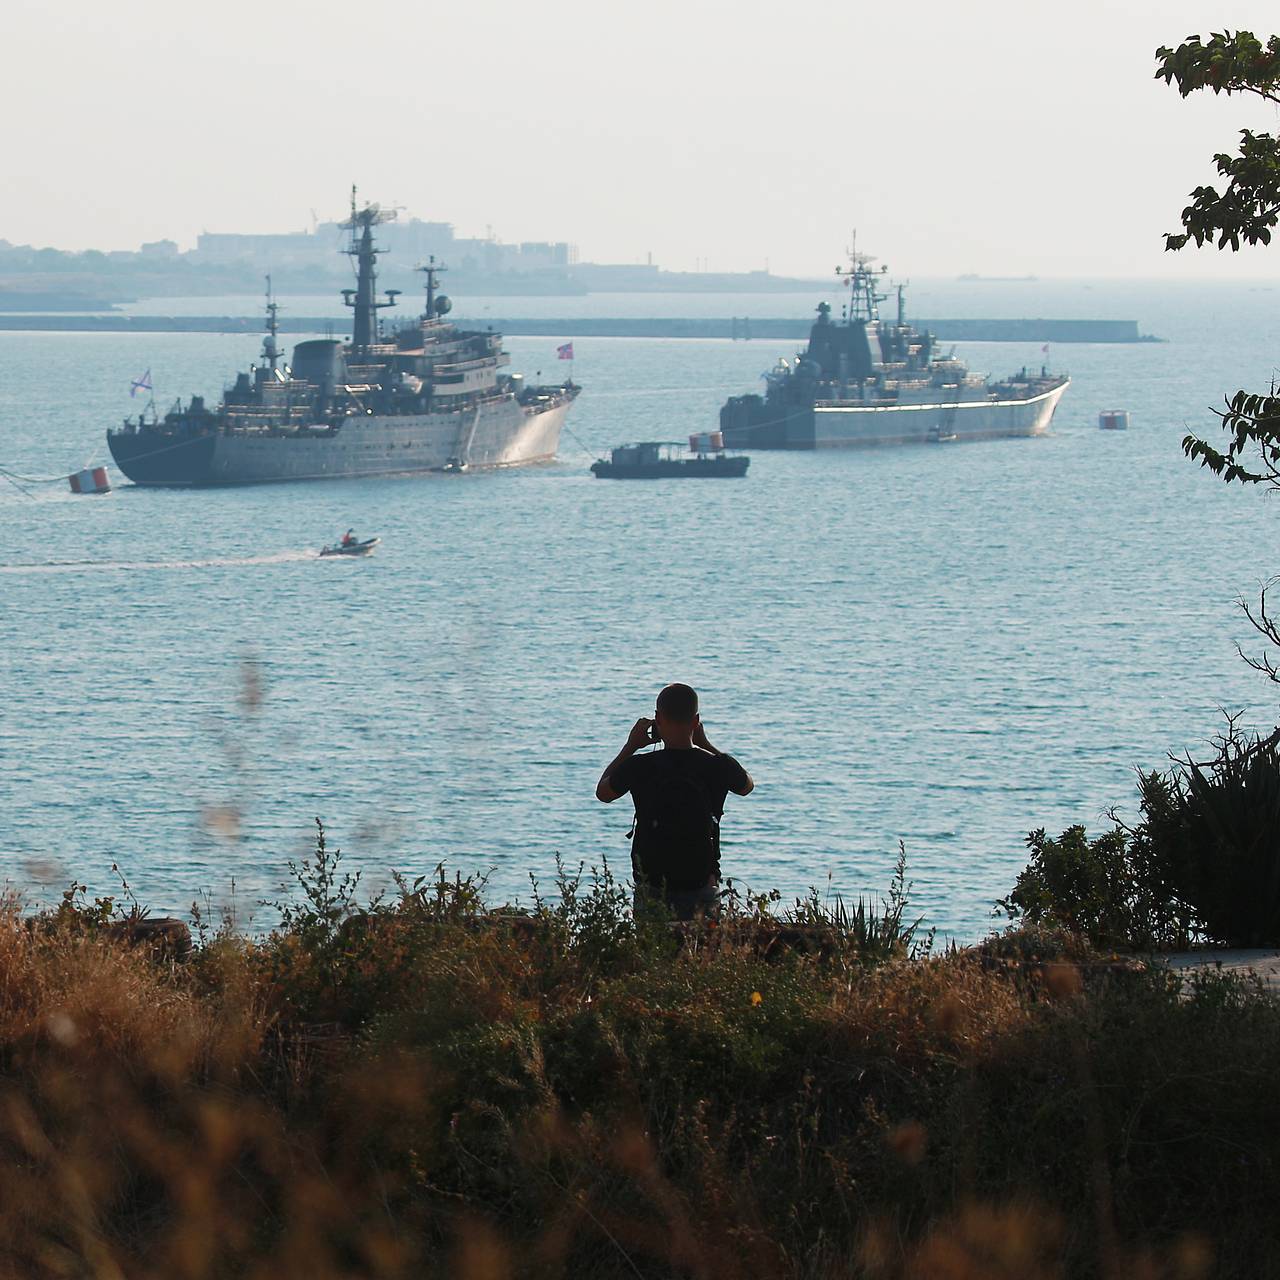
(944, 646)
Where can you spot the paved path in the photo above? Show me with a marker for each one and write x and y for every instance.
(1265, 963)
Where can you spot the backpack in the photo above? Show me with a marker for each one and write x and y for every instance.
(680, 844)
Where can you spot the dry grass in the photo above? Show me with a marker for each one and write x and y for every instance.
(430, 1090)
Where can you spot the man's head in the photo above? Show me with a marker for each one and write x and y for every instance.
(677, 714)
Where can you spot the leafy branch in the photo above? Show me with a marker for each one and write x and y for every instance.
(1252, 424)
(1249, 206)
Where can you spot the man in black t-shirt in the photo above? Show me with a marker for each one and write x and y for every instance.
(679, 794)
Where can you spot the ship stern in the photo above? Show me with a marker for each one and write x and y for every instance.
(156, 458)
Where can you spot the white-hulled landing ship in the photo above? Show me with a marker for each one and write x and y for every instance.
(864, 381)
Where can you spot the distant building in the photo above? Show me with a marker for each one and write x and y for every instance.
(535, 254)
(160, 249)
(230, 247)
(408, 242)
(411, 240)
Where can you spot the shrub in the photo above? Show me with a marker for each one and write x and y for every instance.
(1202, 863)
(431, 1089)
(1215, 829)
(1114, 889)
(875, 934)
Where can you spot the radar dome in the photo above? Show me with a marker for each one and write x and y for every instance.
(443, 305)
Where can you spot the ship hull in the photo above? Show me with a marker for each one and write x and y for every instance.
(836, 425)
(673, 468)
(504, 434)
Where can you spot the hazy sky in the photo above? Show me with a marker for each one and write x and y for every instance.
(988, 136)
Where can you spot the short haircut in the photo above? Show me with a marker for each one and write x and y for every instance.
(678, 702)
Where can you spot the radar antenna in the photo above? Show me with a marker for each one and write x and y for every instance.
(363, 299)
(860, 279)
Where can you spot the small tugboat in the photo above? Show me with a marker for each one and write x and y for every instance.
(350, 546)
(658, 459)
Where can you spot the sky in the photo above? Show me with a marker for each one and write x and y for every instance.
(990, 136)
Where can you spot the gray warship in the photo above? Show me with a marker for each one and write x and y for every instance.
(865, 381)
(427, 397)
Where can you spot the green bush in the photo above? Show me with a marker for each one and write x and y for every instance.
(1202, 863)
(1114, 890)
(1214, 828)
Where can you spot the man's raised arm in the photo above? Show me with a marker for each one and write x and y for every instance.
(639, 736)
(745, 785)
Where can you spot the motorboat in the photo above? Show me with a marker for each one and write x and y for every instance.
(357, 548)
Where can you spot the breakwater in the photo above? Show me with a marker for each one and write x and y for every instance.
(743, 328)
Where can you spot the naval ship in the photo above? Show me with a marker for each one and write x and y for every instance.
(427, 397)
(864, 381)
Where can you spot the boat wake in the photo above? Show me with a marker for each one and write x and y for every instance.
(139, 566)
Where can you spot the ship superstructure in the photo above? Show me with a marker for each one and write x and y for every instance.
(427, 397)
(864, 380)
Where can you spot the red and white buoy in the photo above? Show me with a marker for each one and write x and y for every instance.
(90, 480)
(706, 442)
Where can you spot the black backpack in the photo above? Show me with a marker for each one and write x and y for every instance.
(680, 842)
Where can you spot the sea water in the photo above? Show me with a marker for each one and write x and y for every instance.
(946, 646)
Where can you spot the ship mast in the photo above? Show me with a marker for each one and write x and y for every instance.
(431, 269)
(363, 299)
(270, 347)
(864, 301)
